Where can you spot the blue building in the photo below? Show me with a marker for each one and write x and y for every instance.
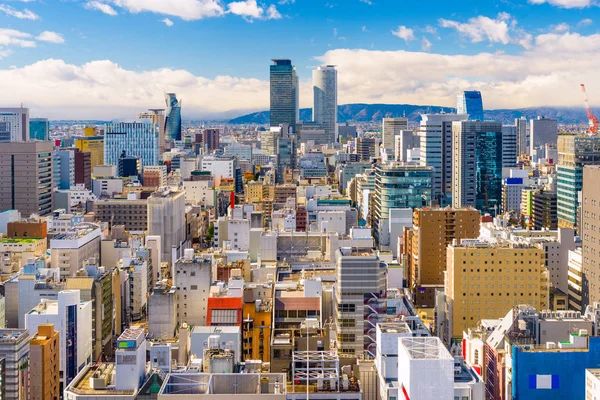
(173, 117)
(39, 129)
(470, 102)
(135, 138)
(556, 373)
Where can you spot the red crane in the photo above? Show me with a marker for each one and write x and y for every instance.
(592, 119)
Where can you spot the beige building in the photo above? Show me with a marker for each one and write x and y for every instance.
(485, 280)
(15, 252)
(68, 251)
(425, 245)
(45, 356)
(590, 236)
(26, 177)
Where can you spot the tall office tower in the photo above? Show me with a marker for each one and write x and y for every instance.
(211, 139)
(286, 154)
(325, 100)
(392, 127)
(425, 245)
(268, 141)
(365, 148)
(509, 146)
(92, 143)
(192, 275)
(470, 102)
(83, 168)
(435, 131)
(129, 166)
(14, 349)
(14, 125)
(284, 94)
(399, 185)
(136, 138)
(45, 365)
(543, 210)
(173, 117)
(26, 177)
(403, 142)
(502, 261)
(360, 297)
(39, 129)
(67, 168)
(589, 292)
(574, 153)
(166, 218)
(477, 165)
(522, 142)
(72, 318)
(542, 131)
(157, 115)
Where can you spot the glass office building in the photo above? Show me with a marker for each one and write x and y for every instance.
(173, 117)
(470, 102)
(138, 138)
(489, 172)
(39, 129)
(284, 94)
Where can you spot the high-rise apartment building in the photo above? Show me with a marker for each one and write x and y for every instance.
(590, 237)
(425, 245)
(26, 177)
(45, 364)
(166, 218)
(325, 100)
(435, 132)
(14, 125)
(470, 102)
(365, 148)
(477, 165)
(509, 146)
(522, 142)
(499, 275)
(543, 210)
(83, 168)
(542, 131)
(392, 127)
(574, 153)
(211, 139)
(173, 117)
(39, 129)
(15, 350)
(157, 116)
(284, 94)
(268, 141)
(135, 138)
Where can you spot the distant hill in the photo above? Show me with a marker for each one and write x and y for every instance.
(375, 112)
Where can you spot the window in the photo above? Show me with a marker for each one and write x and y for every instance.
(223, 317)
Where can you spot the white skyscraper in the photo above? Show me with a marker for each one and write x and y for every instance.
(325, 100)
(391, 128)
(14, 125)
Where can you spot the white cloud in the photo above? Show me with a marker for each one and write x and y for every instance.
(25, 14)
(286, 2)
(102, 7)
(425, 44)
(564, 3)
(250, 9)
(187, 10)
(482, 28)
(585, 22)
(404, 33)
(13, 37)
(562, 27)
(51, 37)
(369, 2)
(167, 22)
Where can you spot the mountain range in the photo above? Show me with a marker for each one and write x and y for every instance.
(375, 112)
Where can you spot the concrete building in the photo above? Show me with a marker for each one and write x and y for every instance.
(131, 213)
(155, 175)
(192, 275)
(15, 350)
(241, 151)
(433, 229)
(219, 166)
(576, 282)
(325, 106)
(67, 168)
(392, 127)
(162, 311)
(543, 210)
(201, 189)
(14, 125)
(509, 146)
(435, 132)
(522, 141)
(230, 337)
(26, 178)
(592, 384)
(157, 116)
(72, 319)
(69, 250)
(45, 364)
(166, 218)
(404, 141)
(83, 168)
(590, 236)
(512, 192)
(93, 144)
(365, 148)
(542, 130)
(518, 274)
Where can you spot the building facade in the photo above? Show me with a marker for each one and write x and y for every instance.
(173, 117)
(14, 125)
(471, 103)
(325, 100)
(284, 94)
(39, 129)
(136, 138)
(45, 364)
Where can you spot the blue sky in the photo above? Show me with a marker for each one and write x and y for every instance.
(216, 52)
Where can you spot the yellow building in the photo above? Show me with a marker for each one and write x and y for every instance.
(485, 280)
(45, 356)
(254, 192)
(527, 205)
(257, 322)
(93, 144)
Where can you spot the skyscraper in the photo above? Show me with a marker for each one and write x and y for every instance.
(39, 128)
(284, 94)
(136, 138)
(477, 165)
(522, 142)
(156, 115)
(26, 177)
(14, 125)
(543, 130)
(173, 117)
(470, 102)
(391, 128)
(325, 100)
(509, 146)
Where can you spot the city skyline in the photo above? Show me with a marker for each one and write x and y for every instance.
(105, 73)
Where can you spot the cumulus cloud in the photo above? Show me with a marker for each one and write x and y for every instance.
(51, 37)
(564, 3)
(482, 28)
(102, 7)
(404, 33)
(25, 14)
(167, 22)
(250, 9)
(585, 22)
(13, 37)
(425, 44)
(187, 10)
(562, 27)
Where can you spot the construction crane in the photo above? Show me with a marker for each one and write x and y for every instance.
(592, 120)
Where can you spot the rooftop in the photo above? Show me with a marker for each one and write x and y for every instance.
(78, 231)
(222, 384)
(99, 376)
(396, 327)
(13, 335)
(425, 348)
(19, 240)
